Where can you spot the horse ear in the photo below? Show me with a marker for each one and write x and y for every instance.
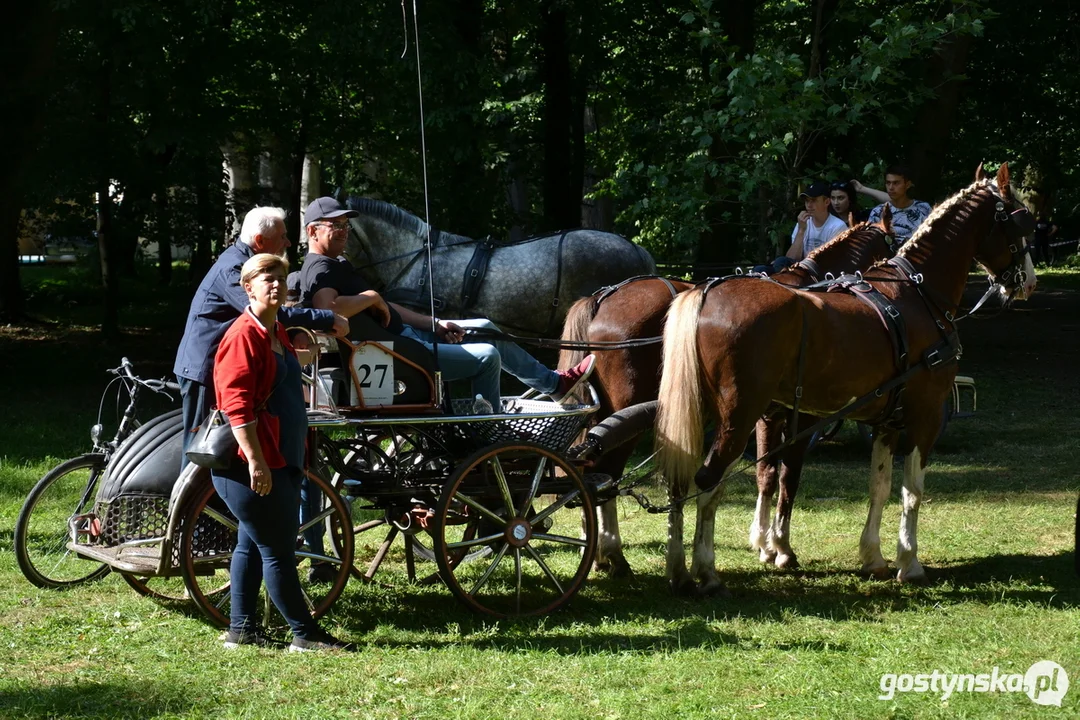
(886, 219)
(1003, 179)
(980, 174)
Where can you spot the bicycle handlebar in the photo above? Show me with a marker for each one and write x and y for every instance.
(126, 371)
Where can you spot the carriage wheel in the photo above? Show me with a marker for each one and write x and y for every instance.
(392, 454)
(530, 507)
(41, 530)
(209, 538)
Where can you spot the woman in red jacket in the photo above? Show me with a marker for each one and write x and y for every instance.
(258, 386)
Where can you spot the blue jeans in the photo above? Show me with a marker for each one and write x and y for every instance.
(481, 362)
(265, 549)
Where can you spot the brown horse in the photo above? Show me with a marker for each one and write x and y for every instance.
(745, 345)
(627, 377)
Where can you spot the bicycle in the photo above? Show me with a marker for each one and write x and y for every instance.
(44, 528)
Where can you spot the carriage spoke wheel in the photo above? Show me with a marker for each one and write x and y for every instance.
(533, 512)
(391, 538)
(209, 537)
(41, 530)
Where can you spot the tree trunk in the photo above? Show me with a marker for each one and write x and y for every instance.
(816, 151)
(164, 237)
(561, 189)
(22, 85)
(107, 242)
(721, 239)
(937, 117)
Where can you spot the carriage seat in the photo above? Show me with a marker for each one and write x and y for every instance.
(377, 370)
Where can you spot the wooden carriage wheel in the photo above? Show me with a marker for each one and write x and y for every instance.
(534, 512)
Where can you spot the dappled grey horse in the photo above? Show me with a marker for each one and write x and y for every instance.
(525, 287)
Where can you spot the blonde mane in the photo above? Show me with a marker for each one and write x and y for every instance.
(835, 239)
(942, 210)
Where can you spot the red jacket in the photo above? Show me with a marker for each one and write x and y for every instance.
(244, 370)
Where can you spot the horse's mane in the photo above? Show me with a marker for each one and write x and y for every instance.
(396, 217)
(946, 208)
(838, 238)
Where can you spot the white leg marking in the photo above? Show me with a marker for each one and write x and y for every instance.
(880, 485)
(907, 546)
(759, 528)
(703, 563)
(780, 541)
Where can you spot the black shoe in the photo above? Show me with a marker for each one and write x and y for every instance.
(234, 639)
(322, 573)
(321, 641)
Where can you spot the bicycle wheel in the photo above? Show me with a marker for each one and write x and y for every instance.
(41, 530)
(169, 589)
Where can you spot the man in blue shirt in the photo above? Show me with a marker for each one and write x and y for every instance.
(219, 301)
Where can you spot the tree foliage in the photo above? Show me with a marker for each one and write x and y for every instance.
(690, 126)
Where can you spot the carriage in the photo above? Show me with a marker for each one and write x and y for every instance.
(492, 504)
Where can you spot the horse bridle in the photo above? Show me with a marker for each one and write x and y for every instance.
(1016, 224)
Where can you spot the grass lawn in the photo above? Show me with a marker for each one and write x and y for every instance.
(996, 536)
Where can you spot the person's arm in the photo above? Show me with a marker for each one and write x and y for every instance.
(349, 305)
(795, 252)
(325, 320)
(234, 378)
(1053, 230)
(444, 329)
(878, 195)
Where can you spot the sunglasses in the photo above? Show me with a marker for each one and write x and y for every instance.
(838, 185)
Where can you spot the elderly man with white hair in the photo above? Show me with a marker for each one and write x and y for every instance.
(219, 301)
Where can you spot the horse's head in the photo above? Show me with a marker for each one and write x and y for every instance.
(1004, 251)
(856, 248)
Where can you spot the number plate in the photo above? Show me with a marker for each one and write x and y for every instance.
(373, 368)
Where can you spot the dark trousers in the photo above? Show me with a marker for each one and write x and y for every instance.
(266, 549)
(197, 400)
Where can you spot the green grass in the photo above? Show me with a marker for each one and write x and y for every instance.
(996, 536)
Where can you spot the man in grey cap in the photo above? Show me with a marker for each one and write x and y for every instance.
(328, 282)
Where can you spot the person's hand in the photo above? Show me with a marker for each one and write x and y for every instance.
(804, 217)
(449, 332)
(858, 186)
(261, 482)
(341, 326)
(378, 309)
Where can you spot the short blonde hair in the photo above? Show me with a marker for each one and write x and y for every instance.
(263, 263)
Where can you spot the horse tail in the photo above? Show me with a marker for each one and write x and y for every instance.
(680, 423)
(576, 329)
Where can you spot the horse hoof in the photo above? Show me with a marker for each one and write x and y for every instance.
(787, 562)
(914, 576)
(683, 587)
(877, 572)
(713, 588)
(620, 569)
(767, 556)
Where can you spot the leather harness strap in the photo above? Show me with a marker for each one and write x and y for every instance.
(893, 320)
(558, 283)
(475, 272)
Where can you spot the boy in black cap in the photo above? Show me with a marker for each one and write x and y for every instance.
(816, 225)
